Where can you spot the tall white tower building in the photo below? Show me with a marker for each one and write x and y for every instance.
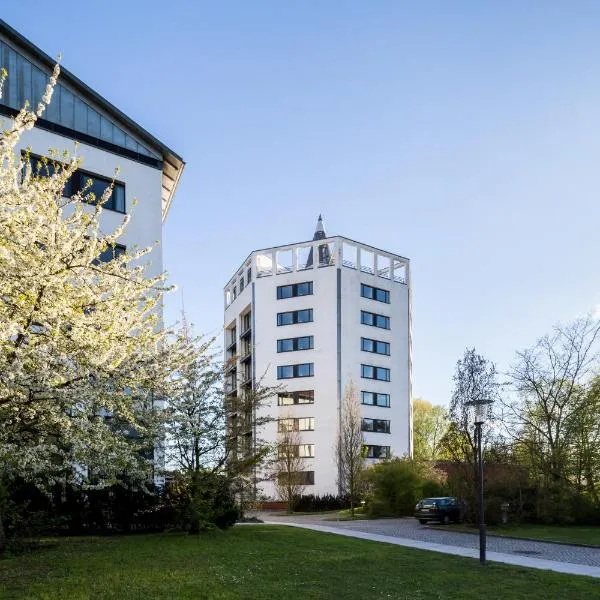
(313, 316)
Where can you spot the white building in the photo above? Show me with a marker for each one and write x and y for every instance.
(149, 170)
(313, 316)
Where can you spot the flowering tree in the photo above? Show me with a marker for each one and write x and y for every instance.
(84, 357)
(212, 439)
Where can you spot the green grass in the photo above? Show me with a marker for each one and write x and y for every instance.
(555, 533)
(268, 562)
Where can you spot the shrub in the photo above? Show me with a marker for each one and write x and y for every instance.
(312, 503)
(201, 501)
(395, 486)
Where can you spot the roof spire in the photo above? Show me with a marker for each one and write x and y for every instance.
(320, 230)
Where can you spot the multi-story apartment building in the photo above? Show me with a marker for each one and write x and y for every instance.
(149, 170)
(311, 317)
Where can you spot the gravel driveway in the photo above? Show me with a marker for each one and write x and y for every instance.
(411, 529)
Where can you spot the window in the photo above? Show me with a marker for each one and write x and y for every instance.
(374, 320)
(299, 343)
(93, 184)
(246, 322)
(374, 346)
(371, 372)
(241, 284)
(300, 424)
(248, 275)
(234, 292)
(291, 398)
(374, 399)
(297, 289)
(297, 477)
(295, 316)
(376, 425)
(110, 253)
(231, 336)
(377, 451)
(291, 371)
(373, 293)
(297, 451)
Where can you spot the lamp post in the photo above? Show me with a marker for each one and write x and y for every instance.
(480, 410)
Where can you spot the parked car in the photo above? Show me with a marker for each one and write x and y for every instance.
(444, 509)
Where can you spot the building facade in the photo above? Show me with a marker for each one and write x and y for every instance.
(312, 317)
(148, 170)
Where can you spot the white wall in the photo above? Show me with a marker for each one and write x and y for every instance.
(141, 181)
(324, 357)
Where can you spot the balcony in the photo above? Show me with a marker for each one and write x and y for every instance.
(246, 333)
(232, 345)
(246, 355)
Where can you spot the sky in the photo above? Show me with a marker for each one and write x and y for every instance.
(464, 135)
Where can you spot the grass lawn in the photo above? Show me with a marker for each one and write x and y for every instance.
(267, 562)
(557, 533)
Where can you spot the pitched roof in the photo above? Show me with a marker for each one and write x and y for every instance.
(172, 163)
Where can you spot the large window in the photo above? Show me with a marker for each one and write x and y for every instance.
(111, 253)
(83, 181)
(374, 346)
(299, 343)
(246, 322)
(296, 424)
(291, 371)
(374, 320)
(371, 372)
(377, 451)
(295, 316)
(373, 293)
(376, 425)
(297, 478)
(296, 289)
(375, 399)
(291, 398)
(297, 451)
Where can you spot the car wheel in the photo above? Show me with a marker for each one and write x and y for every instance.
(446, 520)
(422, 521)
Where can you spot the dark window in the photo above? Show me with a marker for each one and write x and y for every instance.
(377, 451)
(246, 322)
(375, 399)
(290, 398)
(110, 253)
(297, 477)
(296, 424)
(290, 371)
(376, 425)
(373, 293)
(249, 275)
(241, 283)
(371, 372)
(296, 289)
(79, 180)
(369, 318)
(291, 344)
(295, 316)
(297, 451)
(374, 346)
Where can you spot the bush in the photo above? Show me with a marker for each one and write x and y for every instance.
(201, 502)
(395, 486)
(312, 503)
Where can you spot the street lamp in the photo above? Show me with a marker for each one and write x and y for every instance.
(480, 410)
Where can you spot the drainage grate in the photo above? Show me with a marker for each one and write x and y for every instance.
(527, 552)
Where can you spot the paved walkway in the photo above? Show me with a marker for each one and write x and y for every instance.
(575, 560)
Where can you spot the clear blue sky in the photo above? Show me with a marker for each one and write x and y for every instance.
(464, 135)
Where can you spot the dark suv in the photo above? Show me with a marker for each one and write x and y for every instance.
(438, 509)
